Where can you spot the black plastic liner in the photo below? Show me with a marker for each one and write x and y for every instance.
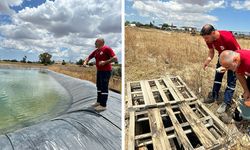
(80, 127)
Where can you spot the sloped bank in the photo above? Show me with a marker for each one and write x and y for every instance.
(80, 127)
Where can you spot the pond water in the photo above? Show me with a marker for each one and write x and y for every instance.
(29, 96)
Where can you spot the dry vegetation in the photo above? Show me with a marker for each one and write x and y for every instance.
(73, 71)
(151, 53)
(86, 74)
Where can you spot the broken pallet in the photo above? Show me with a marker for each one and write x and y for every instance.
(165, 114)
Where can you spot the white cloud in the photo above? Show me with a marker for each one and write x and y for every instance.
(6, 4)
(180, 12)
(241, 4)
(70, 24)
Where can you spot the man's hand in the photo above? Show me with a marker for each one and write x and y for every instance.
(246, 95)
(205, 65)
(85, 63)
(221, 69)
(102, 63)
(207, 61)
(247, 74)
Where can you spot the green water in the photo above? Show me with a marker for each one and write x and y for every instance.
(29, 96)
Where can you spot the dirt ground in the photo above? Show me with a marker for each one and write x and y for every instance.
(152, 53)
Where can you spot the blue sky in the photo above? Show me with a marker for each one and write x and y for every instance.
(224, 14)
(67, 29)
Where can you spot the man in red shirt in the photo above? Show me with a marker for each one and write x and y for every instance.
(104, 56)
(219, 40)
(239, 61)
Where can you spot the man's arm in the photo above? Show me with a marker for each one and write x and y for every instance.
(86, 61)
(112, 59)
(209, 58)
(242, 79)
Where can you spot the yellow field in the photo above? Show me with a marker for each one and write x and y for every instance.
(85, 74)
(151, 53)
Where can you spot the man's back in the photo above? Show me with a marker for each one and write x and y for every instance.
(244, 61)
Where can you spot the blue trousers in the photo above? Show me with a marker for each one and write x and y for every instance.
(231, 83)
(102, 83)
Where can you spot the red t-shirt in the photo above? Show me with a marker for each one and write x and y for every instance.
(244, 61)
(226, 41)
(102, 54)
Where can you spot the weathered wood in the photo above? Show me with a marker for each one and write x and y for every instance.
(159, 136)
(189, 90)
(176, 92)
(170, 85)
(197, 120)
(178, 129)
(206, 138)
(149, 93)
(144, 91)
(162, 115)
(129, 96)
(131, 131)
(162, 93)
(185, 124)
(217, 121)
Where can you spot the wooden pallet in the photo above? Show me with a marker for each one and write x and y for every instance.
(165, 114)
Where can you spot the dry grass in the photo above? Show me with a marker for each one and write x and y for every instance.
(151, 53)
(22, 65)
(86, 74)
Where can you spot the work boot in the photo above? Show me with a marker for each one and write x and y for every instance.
(223, 107)
(100, 108)
(95, 104)
(210, 99)
(237, 115)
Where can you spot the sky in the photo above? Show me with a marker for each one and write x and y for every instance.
(223, 14)
(67, 29)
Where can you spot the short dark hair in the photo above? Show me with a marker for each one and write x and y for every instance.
(207, 29)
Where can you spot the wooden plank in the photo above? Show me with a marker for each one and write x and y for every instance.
(189, 90)
(175, 90)
(144, 91)
(171, 90)
(162, 115)
(185, 124)
(145, 107)
(131, 131)
(178, 129)
(149, 93)
(217, 121)
(162, 108)
(162, 93)
(129, 96)
(159, 136)
(206, 138)
(136, 92)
